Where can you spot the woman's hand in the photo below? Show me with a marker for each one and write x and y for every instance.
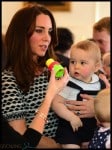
(56, 85)
(84, 109)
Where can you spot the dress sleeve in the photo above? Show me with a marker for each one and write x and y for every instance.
(13, 103)
(12, 138)
(32, 137)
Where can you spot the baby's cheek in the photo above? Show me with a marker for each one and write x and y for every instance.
(85, 72)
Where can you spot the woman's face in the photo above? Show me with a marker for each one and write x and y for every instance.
(41, 37)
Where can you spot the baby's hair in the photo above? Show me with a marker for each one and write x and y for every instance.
(102, 105)
(89, 46)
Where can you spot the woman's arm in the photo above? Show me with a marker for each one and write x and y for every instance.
(54, 88)
(38, 123)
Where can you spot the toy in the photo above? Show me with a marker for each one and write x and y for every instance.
(58, 68)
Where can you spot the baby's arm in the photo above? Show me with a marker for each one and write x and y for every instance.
(62, 111)
(108, 142)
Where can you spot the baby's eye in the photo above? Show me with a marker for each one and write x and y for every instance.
(82, 63)
(72, 62)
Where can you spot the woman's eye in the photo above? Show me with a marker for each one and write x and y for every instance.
(43, 31)
(38, 30)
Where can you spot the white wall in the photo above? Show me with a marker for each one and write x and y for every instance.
(79, 19)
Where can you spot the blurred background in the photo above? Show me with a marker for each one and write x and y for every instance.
(79, 17)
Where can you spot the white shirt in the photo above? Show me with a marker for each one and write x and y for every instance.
(71, 93)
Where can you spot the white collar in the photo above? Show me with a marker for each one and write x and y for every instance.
(95, 78)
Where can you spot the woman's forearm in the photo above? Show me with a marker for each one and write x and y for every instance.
(41, 115)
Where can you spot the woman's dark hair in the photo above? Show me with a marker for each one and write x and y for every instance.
(19, 57)
(3, 53)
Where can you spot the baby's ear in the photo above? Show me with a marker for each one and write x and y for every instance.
(97, 66)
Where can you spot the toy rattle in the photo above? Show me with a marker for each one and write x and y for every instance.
(58, 68)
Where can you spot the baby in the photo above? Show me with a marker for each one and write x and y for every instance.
(85, 60)
(101, 138)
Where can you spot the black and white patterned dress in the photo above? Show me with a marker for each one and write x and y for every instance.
(17, 105)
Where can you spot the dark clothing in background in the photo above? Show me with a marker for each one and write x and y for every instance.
(63, 60)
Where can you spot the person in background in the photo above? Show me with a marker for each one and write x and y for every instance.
(85, 60)
(102, 135)
(106, 64)
(33, 133)
(101, 34)
(30, 39)
(65, 41)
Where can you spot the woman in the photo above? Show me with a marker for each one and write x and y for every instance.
(33, 134)
(30, 40)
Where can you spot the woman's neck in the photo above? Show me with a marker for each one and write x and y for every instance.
(39, 71)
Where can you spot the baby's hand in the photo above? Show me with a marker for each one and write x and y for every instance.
(75, 122)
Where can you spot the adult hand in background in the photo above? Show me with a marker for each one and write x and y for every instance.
(84, 108)
(103, 77)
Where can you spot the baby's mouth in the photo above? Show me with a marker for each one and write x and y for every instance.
(76, 73)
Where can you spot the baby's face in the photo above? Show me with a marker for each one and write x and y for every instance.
(82, 65)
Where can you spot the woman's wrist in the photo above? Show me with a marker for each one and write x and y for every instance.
(41, 115)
